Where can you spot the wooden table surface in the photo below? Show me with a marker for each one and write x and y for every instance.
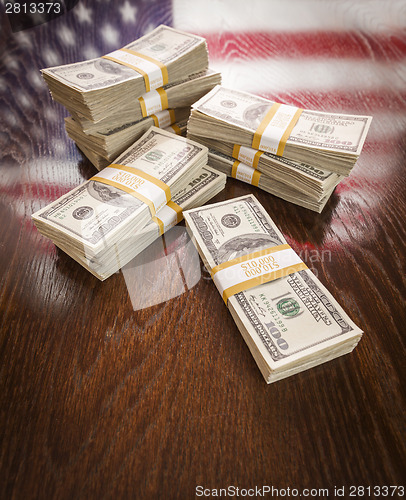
(100, 399)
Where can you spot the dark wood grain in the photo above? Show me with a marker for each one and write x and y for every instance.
(98, 400)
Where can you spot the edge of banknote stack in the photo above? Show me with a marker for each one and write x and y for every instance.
(288, 319)
(295, 154)
(109, 219)
(115, 98)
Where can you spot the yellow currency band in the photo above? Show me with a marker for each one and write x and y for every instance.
(262, 126)
(133, 192)
(236, 153)
(179, 213)
(255, 176)
(164, 102)
(176, 129)
(287, 132)
(171, 116)
(265, 122)
(163, 68)
(160, 224)
(258, 280)
(138, 70)
(143, 107)
(178, 210)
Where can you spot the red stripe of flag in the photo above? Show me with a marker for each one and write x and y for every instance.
(347, 44)
(34, 191)
(360, 101)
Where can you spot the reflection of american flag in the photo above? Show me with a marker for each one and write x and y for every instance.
(340, 56)
(31, 124)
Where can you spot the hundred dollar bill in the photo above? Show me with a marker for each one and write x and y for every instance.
(277, 187)
(107, 143)
(200, 189)
(311, 181)
(164, 44)
(326, 140)
(178, 95)
(163, 56)
(107, 138)
(101, 161)
(97, 214)
(290, 324)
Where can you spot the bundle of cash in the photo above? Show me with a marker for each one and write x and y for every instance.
(327, 141)
(288, 319)
(199, 190)
(124, 197)
(292, 181)
(180, 95)
(107, 139)
(114, 99)
(100, 160)
(108, 142)
(301, 195)
(93, 88)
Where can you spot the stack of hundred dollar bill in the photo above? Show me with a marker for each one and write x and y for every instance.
(109, 219)
(288, 319)
(298, 155)
(115, 98)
